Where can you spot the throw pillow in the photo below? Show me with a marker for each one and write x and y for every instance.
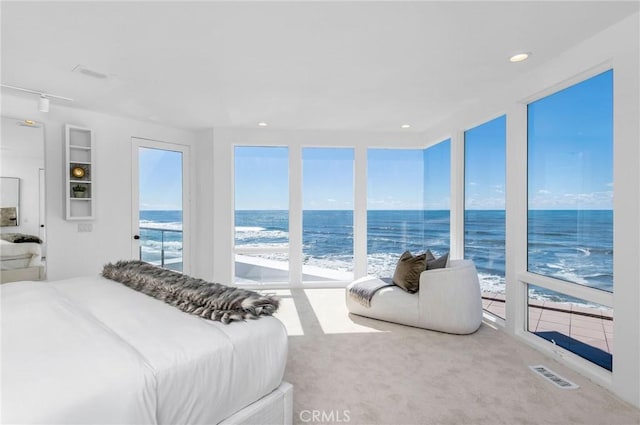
(408, 269)
(438, 263)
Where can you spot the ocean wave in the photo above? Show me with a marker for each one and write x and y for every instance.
(338, 264)
(176, 225)
(173, 248)
(268, 245)
(260, 234)
(585, 251)
(492, 283)
(249, 229)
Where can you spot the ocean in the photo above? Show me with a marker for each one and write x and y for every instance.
(576, 246)
(158, 229)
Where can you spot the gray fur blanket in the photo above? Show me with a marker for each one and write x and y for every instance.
(363, 292)
(212, 301)
(20, 238)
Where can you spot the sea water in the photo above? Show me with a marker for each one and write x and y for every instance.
(572, 245)
(161, 238)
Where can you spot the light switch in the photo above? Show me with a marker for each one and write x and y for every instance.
(85, 227)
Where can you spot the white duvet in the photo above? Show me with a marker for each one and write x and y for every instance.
(91, 350)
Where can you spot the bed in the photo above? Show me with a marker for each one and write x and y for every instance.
(90, 350)
(20, 261)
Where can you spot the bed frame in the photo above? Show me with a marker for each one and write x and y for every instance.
(27, 273)
(274, 408)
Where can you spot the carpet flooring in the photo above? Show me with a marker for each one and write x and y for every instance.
(350, 369)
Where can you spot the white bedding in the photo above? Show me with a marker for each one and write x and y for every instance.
(92, 350)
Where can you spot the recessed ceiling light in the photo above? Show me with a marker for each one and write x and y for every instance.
(405, 126)
(519, 57)
(262, 124)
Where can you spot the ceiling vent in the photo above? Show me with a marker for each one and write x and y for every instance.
(90, 72)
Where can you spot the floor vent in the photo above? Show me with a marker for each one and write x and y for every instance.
(553, 377)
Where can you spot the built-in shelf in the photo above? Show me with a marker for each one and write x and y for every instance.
(79, 175)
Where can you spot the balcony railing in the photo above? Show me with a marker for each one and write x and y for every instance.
(161, 247)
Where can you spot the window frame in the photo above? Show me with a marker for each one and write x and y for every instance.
(518, 276)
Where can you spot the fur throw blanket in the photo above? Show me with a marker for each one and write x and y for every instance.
(20, 238)
(208, 300)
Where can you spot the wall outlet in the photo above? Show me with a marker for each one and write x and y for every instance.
(85, 227)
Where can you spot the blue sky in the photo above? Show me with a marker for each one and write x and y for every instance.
(571, 147)
(570, 165)
(160, 179)
(484, 168)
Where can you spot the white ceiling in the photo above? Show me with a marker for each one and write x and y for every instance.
(319, 65)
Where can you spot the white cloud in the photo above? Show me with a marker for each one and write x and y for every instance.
(591, 200)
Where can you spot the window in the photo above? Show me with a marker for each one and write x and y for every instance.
(395, 211)
(570, 215)
(261, 214)
(580, 326)
(570, 142)
(327, 217)
(484, 212)
(437, 197)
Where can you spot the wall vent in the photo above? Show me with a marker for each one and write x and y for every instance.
(90, 72)
(553, 377)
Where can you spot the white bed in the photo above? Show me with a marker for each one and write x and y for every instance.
(20, 261)
(90, 350)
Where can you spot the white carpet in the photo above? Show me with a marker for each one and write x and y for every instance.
(350, 369)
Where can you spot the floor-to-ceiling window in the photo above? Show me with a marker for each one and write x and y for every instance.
(261, 214)
(395, 210)
(570, 217)
(484, 209)
(327, 216)
(437, 197)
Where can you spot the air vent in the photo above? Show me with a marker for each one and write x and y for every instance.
(90, 72)
(553, 377)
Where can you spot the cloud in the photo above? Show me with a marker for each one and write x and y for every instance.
(485, 203)
(331, 200)
(589, 200)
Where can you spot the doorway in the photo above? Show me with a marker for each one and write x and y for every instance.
(160, 201)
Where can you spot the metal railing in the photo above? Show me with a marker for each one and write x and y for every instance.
(162, 243)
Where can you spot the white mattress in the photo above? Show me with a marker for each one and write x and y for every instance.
(109, 354)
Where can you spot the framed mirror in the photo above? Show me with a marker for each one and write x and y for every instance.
(9, 201)
(22, 200)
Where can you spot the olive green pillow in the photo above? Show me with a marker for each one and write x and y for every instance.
(408, 269)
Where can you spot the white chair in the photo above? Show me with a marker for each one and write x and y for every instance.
(449, 300)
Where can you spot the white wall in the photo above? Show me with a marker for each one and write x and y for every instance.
(71, 253)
